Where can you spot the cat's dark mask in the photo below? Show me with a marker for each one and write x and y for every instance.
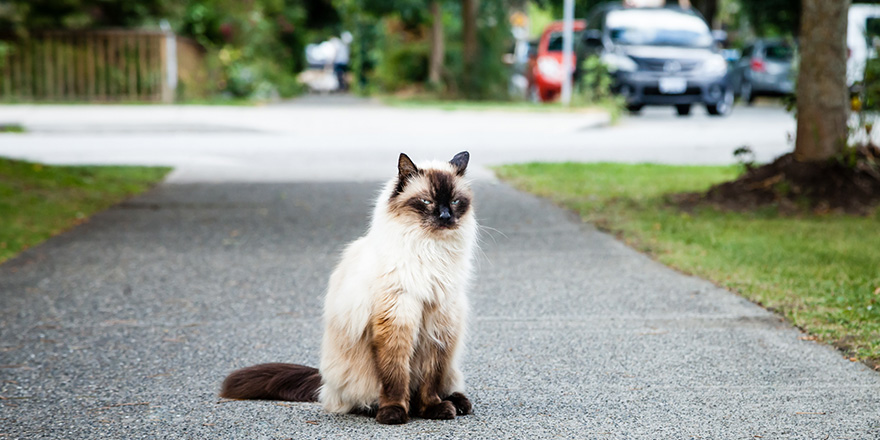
(437, 197)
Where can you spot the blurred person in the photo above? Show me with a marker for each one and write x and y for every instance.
(341, 57)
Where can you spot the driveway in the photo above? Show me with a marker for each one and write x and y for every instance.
(125, 326)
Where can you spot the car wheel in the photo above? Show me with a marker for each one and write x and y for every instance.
(723, 107)
(683, 109)
(746, 94)
(634, 108)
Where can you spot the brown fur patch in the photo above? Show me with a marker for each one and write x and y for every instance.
(274, 381)
(392, 347)
(430, 364)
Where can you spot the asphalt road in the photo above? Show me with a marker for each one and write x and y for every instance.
(125, 326)
(307, 141)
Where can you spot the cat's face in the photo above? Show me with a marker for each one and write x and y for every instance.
(435, 196)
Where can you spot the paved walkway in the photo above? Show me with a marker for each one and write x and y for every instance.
(125, 326)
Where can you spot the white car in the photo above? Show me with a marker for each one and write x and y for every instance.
(862, 40)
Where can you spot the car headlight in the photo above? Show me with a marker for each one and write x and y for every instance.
(617, 62)
(549, 67)
(715, 65)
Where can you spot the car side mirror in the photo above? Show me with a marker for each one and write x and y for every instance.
(592, 38)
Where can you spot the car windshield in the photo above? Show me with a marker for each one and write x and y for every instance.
(653, 27)
(779, 52)
(555, 42)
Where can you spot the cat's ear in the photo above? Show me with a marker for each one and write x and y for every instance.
(405, 167)
(460, 162)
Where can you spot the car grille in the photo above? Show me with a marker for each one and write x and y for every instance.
(655, 91)
(655, 65)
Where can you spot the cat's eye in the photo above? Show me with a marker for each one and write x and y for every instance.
(455, 202)
(425, 201)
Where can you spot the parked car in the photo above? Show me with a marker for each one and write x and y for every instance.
(663, 56)
(546, 78)
(764, 69)
(862, 38)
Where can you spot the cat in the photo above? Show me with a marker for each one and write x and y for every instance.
(395, 311)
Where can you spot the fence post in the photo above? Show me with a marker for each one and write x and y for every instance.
(170, 63)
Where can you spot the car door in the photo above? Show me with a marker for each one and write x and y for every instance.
(740, 67)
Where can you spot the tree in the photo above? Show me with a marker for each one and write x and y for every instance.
(821, 91)
(469, 42)
(438, 46)
(709, 9)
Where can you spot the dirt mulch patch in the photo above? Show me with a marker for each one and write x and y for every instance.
(850, 185)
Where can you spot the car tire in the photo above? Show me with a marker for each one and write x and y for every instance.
(746, 94)
(723, 107)
(683, 109)
(634, 108)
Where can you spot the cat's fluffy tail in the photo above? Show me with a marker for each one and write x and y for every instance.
(275, 381)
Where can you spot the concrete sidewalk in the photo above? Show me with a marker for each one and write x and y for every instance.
(125, 326)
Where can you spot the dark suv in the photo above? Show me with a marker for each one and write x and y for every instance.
(659, 56)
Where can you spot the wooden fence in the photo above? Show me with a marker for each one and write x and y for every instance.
(94, 66)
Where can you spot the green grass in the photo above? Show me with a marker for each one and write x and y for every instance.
(821, 272)
(38, 201)
(11, 128)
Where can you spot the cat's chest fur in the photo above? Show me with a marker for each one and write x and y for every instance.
(426, 269)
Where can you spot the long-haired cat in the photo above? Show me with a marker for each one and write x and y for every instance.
(395, 310)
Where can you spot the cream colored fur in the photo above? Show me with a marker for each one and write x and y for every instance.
(419, 268)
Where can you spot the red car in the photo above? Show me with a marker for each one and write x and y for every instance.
(546, 68)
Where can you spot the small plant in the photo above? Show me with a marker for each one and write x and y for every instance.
(595, 81)
(593, 87)
(745, 157)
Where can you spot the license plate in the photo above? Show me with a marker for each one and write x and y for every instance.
(673, 86)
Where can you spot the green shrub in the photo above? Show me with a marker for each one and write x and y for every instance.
(401, 57)
(871, 92)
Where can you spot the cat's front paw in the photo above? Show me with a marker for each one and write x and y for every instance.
(461, 403)
(445, 410)
(392, 415)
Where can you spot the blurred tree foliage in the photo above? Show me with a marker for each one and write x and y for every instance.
(709, 8)
(773, 17)
(21, 16)
(256, 46)
(392, 46)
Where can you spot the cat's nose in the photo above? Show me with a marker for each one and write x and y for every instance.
(444, 213)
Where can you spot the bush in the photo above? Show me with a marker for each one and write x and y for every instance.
(871, 99)
(401, 57)
(252, 46)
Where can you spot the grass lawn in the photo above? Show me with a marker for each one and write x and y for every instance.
(820, 272)
(38, 201)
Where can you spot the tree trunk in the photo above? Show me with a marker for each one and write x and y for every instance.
(438, 50)
(469, 50)
(822, 96)
(709, 9)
